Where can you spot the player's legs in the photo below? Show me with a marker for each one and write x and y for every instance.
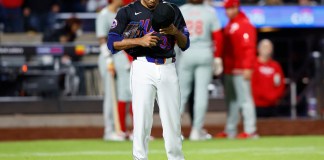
(108, 108)
(191, 102)
(186, 75)
(143, 96)
(107, 101)
(168, 96)
(130, 109)
(233, 107)
(244, 97)
(122, 115)
(203, 76)
(122, 67)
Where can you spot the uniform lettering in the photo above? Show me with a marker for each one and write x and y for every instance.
(145, 24)
(195, 27)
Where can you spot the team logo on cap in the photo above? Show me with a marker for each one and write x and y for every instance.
(114, 24)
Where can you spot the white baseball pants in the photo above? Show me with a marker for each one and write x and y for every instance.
(149, 82)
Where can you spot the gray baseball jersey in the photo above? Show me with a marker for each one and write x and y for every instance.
(201, 20)
(103, 22)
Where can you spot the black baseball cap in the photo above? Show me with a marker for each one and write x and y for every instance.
(163, 16)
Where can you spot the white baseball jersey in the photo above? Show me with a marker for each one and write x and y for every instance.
(196, 17)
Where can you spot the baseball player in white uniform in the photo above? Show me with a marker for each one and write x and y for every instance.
(107, 70)
(153, 72)
(196, 63)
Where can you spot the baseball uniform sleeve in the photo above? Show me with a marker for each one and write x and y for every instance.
(215, 25)
(117, 28)
(218, 43)
(217, 34)
(249, 46)
(256, 85)
(181, 25)
(280, 88)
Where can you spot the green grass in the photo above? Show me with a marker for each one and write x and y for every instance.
(266, 148)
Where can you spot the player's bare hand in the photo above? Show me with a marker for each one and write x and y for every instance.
(247, 74)
(149, 40)
(171, 30)
(218, 66)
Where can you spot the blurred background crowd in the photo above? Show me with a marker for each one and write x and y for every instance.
(38, 15)
(27, 26)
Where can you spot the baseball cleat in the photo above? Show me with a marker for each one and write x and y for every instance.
(244, 135)
(115, 137)
(199, 135)
(223, 135)
(182, 138)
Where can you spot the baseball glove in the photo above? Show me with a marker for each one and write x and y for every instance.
(133, 30)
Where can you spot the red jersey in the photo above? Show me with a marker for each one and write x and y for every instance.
(267, 83)
(11, 3)
(239, 50)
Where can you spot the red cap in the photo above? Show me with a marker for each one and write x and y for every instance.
(126, 2)
(231, 3)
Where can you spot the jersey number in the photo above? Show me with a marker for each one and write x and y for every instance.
(164, 43)
(195, 27)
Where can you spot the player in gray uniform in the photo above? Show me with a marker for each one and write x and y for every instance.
(122, 67)
(196, 63)
(105, 63)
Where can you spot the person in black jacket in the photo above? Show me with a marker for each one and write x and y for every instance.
(41, 14)
(67, 32)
